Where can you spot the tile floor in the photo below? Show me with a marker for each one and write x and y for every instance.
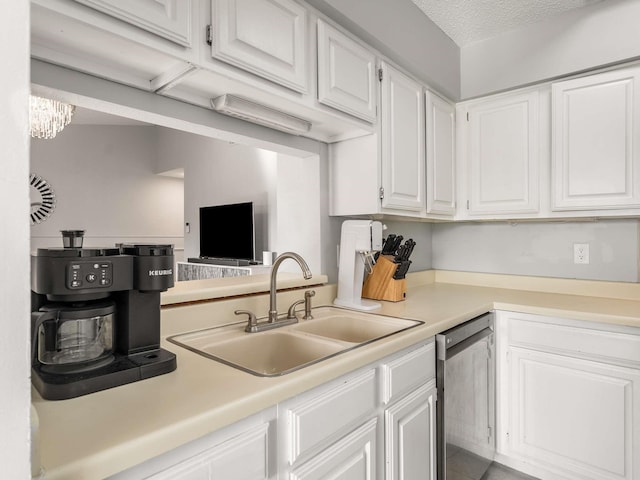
(464, 465)
(500, 472)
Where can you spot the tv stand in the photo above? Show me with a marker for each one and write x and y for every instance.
(200, 269)
(231, 262)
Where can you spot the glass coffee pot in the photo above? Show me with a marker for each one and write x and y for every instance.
(74, 337)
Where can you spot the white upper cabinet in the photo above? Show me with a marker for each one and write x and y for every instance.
(440, 124)
(403, 145)
(502, 154)
(265, 37)
(384, 173)
(346, 74)
(596, 141)
(170, 19)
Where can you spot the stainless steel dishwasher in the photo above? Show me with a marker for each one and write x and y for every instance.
(466, 399)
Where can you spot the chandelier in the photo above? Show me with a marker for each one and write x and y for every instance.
(48, 117)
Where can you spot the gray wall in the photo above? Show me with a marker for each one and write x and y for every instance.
(421, 258)
(540, 249)
(597, 35)
(105, 183)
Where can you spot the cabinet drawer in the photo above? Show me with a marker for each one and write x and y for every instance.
(329, 413)
(535, 332)
(408, 371)
(245, 456)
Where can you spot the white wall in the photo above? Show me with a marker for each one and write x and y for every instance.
(298, 211)
(105, 183)
(540, 249)
(15, 389)
(216, 173)
(597, 35)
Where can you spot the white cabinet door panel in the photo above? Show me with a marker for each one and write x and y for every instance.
(170, 19)
(351, 458)
(410, 436)
(346, 74)
(503, 155)
(596, 137)
(440, 124)
(265, 37)
(575, 416)
(403, 159)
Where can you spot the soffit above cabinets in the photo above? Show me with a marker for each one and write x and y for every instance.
(469, 21)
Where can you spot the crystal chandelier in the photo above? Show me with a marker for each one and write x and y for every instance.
(48, 117)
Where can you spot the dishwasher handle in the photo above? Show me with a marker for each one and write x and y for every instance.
(447, 353)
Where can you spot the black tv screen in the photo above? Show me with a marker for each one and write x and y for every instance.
(227, 231)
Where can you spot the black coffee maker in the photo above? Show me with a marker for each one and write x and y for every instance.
(95, 318)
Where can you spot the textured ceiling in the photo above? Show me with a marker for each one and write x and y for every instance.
(468, 21)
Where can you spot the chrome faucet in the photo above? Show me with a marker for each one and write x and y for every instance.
(273, 311)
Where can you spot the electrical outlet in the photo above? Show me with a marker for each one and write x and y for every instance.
(581, 253)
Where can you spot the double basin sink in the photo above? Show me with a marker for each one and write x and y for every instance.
(276, 352)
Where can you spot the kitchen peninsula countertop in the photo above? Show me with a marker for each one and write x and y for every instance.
(100, 434)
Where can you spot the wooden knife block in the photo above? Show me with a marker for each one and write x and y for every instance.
(380, 284)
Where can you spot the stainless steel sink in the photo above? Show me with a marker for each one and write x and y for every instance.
(277, 352)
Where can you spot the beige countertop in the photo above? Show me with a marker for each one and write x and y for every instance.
(100, 434)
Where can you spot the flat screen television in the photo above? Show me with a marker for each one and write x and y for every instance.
(227, 231)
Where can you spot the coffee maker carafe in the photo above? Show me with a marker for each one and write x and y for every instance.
(96, 317)
(74, 337)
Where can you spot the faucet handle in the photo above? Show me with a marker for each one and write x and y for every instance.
(291, 314)
(252, 321)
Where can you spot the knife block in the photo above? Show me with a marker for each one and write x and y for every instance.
(380, 284)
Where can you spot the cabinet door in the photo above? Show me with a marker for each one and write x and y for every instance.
(596, 141)
(170, 19)
(403, 161)
(346, 74)
(575, 417)
(503, 155)
(440, 123)
(410, 442)
(245, 456)
(265, 37)
(351, 458)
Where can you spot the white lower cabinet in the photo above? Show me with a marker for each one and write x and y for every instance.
(244, 457)
(244, 450)
(347, 429)
(410, 426)
(372, 424)
(569, 398)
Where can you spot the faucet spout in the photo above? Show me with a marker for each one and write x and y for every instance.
(273, 310)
